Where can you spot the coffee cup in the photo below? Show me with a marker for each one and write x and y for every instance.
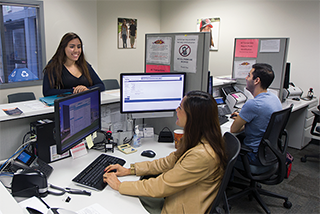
(178, 133)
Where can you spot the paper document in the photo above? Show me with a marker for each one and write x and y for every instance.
(94, 209)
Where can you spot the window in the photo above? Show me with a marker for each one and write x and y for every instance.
(22, 51)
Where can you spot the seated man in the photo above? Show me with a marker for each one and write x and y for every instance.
(256, 113)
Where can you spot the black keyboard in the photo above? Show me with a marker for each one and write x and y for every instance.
(92, 175)
(223, 120)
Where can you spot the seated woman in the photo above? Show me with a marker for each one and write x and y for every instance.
(68, 71)
(190, 176)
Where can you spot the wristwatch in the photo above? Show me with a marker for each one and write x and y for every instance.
(132, 169)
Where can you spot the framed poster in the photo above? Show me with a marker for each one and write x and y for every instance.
(211, 25)
(127, 33)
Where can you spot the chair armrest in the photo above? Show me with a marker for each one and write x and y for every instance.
(314, 123)
(245, 149)
(316, 113)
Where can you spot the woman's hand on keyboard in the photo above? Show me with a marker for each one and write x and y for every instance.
(112, 180)
(118, 170)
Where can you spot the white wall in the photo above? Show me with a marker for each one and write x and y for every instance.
(60, 17)
(298, 20)
(111, 60)
(96, 23)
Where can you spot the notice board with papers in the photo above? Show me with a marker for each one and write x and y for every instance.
(248, 51)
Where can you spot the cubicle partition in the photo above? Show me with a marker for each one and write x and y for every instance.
(248, 51)
(178, 52)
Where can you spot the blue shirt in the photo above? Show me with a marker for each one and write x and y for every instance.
(257, 113)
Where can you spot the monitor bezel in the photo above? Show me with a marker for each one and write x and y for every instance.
(148, 74)
(57, 135)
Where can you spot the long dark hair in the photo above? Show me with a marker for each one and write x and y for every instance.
(54, 67)
(202, 122)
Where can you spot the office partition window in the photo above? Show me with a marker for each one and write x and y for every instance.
(22, 54)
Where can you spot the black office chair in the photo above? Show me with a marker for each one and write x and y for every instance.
(232, 146)
(315, 130)
(272, 155)
(110, 84)
(19, 97)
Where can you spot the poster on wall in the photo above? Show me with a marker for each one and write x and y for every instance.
(185, 53)
(211, 25)
(127, 33)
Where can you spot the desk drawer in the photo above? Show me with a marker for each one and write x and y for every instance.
(308, 122)
(307, 136)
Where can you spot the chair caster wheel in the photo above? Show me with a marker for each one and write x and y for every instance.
(303, 159)
(287, 204)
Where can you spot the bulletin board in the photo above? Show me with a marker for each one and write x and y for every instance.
(248, 51)
(179, 52)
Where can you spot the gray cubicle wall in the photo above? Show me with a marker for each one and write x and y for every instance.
(194, 81)
(277, 59)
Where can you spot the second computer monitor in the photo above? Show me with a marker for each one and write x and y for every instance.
(151, 92)
(76, 117)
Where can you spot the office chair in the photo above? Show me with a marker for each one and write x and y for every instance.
(19, 97)
(110, 84)
(272, 155)
(232, 146)
(315, 130)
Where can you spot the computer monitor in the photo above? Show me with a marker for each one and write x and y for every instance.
(151, 92)
(286, 81)
(76, 117)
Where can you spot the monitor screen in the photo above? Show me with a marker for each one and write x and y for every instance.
(151, 92)
(76, 117)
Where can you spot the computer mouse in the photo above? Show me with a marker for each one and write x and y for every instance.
(148, 153)
(233, 116)
(60, 211)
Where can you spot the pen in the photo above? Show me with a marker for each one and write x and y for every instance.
(77, 191)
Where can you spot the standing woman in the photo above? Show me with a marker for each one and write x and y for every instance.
(68, 70)
(124, 33)
(189, 177)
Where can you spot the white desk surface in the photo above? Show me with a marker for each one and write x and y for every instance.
(65, 170)
(8, 204)
(36, 107)
(298, 104)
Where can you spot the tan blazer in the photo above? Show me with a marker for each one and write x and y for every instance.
(189, 185)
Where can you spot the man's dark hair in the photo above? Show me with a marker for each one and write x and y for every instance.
(264, 72)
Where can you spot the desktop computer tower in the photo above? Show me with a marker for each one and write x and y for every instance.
(45, 146)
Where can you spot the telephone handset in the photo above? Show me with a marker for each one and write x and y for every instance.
(27, 160)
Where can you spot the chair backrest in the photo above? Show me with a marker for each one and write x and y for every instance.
(315, 130)
(19, 97)
(110, 84)
(232, 146)
(273, 146)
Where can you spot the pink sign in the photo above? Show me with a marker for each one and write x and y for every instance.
(247, 48)
(157, 68)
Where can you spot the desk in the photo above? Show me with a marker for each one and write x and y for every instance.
(13, 128)
(65, 170)
(300, 122)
